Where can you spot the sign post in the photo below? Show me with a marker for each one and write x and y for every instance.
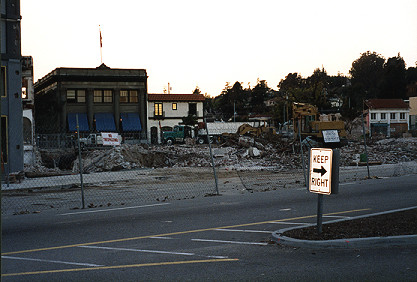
(323, 177)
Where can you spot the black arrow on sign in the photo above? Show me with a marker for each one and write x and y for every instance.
(321, 170)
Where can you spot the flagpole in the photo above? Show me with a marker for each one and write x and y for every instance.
(101, 45)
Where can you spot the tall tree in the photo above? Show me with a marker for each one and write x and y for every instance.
(259, 95)
(367, 72)
(394, 79)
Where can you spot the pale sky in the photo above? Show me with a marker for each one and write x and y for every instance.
(191, 43)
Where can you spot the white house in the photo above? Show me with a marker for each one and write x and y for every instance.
(389, 117)
(167, 110)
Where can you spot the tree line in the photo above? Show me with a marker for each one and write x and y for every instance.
(371, 76)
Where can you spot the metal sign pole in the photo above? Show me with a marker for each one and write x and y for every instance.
(80, 162)
(320, 213)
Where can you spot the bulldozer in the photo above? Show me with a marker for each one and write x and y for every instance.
(308, 121)
(247, 129)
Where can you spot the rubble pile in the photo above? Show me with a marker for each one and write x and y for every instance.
(240, 152)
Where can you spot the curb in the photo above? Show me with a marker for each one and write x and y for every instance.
(409, 240)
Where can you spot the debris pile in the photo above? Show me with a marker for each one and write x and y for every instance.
(240, 152)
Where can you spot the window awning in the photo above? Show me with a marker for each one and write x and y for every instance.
(131, 122)
(105, 122)
(82, 122)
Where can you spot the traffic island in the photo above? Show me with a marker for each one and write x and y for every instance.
(396, 227)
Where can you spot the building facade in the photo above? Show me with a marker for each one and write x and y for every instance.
(413, 113)
(11, 88)
(101, 99)
(388, 117)
(167, 110)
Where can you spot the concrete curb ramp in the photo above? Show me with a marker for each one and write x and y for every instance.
(409, 240)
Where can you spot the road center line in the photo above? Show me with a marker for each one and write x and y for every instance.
(52, 261)
(230, 242)
(115, 209)
(175, 233)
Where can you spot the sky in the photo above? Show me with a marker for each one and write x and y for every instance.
(190, 43)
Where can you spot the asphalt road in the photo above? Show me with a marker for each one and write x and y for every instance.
(214, 238)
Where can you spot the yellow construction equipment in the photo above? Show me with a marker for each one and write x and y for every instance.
(307, 121)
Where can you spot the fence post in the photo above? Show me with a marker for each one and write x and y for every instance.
(302, 153)
(364, 141)
(80, 162)
(211, 157)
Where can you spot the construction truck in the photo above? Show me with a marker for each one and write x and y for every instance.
(307, 121)
(217, 131)
(177, 135)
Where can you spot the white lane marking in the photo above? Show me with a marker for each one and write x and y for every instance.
(284, 209)
(247, 231)
(164, 238)
(149, 251)
(294, 223)
(115, 209)
(229, 242)
(336, 216)
(52, 261)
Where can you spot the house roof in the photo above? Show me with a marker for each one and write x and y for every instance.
(386, 104)
(176, 98)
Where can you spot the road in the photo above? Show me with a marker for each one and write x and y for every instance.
(213, 238)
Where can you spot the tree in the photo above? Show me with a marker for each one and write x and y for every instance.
(367, 73)
(394, 79)
(291, 81)
(197, 91)
(258, 95)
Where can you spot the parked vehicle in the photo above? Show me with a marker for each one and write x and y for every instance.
(101, 139)
(177, 135)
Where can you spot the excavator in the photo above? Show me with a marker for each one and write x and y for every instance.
(307, 121)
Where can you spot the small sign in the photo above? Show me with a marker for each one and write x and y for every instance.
(110, 139)
(320, 170)
(331, 136)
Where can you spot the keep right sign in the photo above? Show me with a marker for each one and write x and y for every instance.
(320, 170)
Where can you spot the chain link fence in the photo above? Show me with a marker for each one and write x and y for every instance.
(135, 173)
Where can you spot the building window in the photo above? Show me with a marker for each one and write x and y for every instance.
(373, 115)
(133, 96)
(80, 96)
(392, 116)
(76, 96)
(108, 96)
(3, 82)
(71, 96)
(103, 96)
(383, 116)
(98, 96)
(174, 106)
(402, 115)
(129, 96)
(158, 109)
